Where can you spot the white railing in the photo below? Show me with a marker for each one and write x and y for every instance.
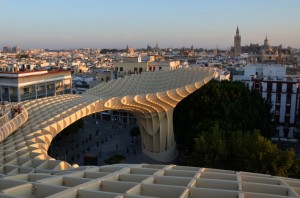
(4, 119)
(10, 123)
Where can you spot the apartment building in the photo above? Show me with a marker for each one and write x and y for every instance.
(163, 65)
(18, 85)
(281, 89)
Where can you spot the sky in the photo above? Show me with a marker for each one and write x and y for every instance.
(64, 24)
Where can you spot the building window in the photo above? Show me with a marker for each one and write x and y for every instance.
(286, 129)
(277, 109)
(278, 98)
(150, 68)
(287, 111)
(269, 86)
(159, 68)
(26, 90)
(288, 99)
(256, 86)
(116, 68)
(121, 68)
(276, 119)
(5, 90)
(153, 68)
(270, 57)
(279, 87)
(289, 88)
(269, 97)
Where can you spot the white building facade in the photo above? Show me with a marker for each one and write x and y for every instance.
(282, 90)
(24, 85)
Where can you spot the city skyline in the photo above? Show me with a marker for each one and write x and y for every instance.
(103, 24)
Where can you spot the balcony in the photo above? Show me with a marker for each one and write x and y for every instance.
(29, 95)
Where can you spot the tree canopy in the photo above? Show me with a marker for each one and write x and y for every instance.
(225, 125)
(232, 104)
(239, 150)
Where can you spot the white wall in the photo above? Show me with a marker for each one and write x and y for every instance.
(274, 71)
(249, 71)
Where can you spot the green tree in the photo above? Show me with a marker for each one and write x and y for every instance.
(226, 125)
(232, 104)
(240, 151)
(210, 149)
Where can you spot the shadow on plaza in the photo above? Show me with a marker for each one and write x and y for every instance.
(97, 141)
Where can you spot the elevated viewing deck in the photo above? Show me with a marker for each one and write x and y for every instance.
(28, 171)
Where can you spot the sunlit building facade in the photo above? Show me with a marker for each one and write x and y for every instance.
(16, 86)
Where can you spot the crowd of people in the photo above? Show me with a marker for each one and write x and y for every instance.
(15, 110)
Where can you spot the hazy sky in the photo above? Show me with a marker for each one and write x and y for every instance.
(170, 23)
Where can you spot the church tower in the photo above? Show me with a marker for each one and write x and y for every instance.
(266, 43)
(237, 43)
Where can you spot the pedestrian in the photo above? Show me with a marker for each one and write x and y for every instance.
(19, 109)
(12, 112)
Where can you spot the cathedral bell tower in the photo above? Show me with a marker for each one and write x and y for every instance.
(266, 43)
(237, 43)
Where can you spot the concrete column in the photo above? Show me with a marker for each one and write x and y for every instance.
(63, 81)
(46, 89)
(71, 91)
(1, 93)
(19, 94)
(157, 135)
(55, 88)
(9, 94)
(36, 92)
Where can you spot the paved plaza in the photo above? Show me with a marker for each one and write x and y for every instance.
(112, 138)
